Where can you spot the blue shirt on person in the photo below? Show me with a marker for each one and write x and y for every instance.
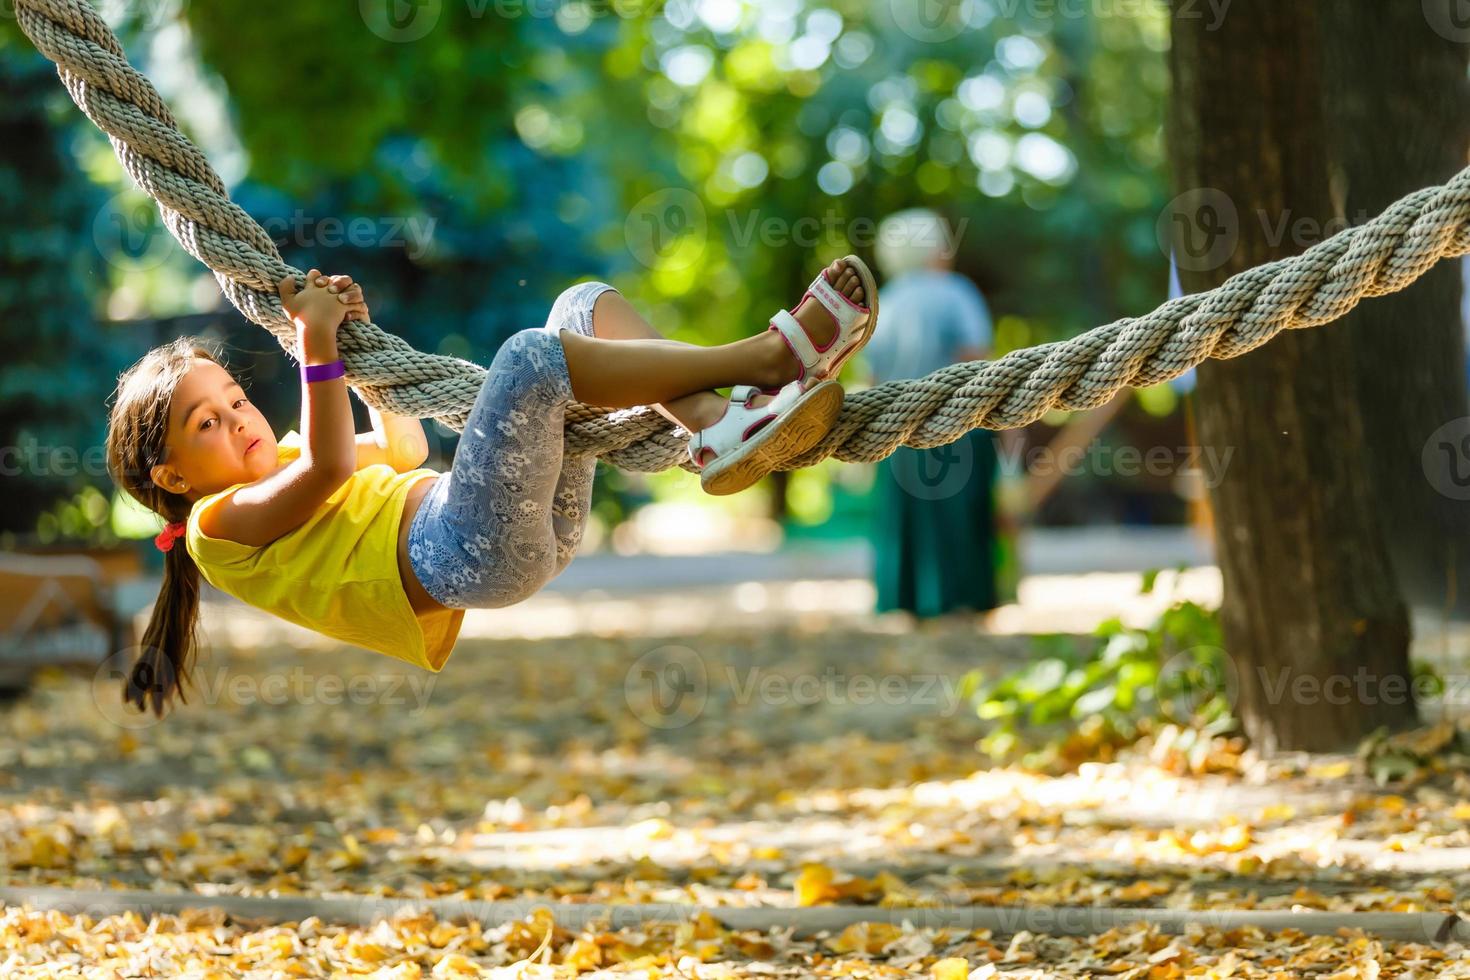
(925, 318)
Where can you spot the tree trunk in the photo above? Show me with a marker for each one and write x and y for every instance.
(1312, 617)
(1398, 113)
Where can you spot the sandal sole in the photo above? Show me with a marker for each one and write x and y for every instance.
(802, 427)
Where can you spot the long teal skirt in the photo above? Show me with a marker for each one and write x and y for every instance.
(934, 535)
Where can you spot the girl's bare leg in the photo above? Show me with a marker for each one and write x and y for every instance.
(614, 318)
(645, 370)
(624, 373)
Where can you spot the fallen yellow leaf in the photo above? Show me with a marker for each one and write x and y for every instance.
(814, 885)
(866, 937)
(951, 968)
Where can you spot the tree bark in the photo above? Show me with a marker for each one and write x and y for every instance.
(1312, 617)
(1398, 113)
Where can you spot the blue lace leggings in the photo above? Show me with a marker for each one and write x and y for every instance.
(509, 515)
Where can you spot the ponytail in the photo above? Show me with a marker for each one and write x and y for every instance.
(171, 640)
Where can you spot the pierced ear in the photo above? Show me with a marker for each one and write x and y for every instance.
(168, 478)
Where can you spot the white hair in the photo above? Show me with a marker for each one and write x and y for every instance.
(911, 239)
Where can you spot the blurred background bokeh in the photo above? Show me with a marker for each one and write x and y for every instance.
(468, 161)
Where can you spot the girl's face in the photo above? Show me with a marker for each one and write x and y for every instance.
(216, 437)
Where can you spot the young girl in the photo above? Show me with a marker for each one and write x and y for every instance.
(344, 534)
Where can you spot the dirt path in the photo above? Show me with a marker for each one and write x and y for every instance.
(767, 768)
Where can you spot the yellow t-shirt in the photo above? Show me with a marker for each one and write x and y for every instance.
(337, 573)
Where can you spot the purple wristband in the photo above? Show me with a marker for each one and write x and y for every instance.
(322, 372)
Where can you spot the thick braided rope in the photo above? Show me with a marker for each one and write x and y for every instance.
(1319, 286)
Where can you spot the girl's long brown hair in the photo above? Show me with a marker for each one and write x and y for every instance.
(136, 430)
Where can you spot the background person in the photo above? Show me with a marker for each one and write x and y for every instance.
(934, 534)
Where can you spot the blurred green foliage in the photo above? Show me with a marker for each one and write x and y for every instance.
(58, 353)
(706, 156)
(1040, 140)
(1077, 700)
(84, 518)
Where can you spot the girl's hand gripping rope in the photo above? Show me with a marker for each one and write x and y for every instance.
(324, 302)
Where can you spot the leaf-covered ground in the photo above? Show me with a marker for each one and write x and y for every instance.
(778, 767)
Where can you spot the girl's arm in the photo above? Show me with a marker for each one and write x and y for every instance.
(397, 440)
(327, 430)
(262, 511)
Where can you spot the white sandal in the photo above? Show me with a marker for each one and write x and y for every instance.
(748, 441)
(855, 326)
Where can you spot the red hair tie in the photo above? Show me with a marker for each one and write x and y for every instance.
(170, 534)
